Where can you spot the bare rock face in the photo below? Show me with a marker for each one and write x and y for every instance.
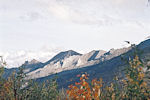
(114, 53)
(68, 60)
(71, 60)
(96, 63)
(34, 61)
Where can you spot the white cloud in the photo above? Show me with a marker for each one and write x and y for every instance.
(77, 24)
(91, 12)
(61, 11)
(100, 12)
(17, 58)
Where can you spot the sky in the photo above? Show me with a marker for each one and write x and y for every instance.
(41, 28)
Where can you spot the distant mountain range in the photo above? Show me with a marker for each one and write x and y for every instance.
(98, 63)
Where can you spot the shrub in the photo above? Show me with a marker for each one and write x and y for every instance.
(133, 87)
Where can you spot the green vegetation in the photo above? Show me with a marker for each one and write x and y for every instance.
(132, 87)
(16, 87)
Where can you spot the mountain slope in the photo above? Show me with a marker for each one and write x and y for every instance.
(107, 69)
(63, 55)
(28, 66)
(66, 61)
(32, 65)
(56, 64)
(97, 63)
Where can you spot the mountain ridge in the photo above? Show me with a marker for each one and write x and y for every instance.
(67, 60)
(106, 70)
(69, 63)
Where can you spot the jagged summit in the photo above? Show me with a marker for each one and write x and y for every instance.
(33, 61)
(31, 65)
(96, 54)
(97, 61)
(62, 55)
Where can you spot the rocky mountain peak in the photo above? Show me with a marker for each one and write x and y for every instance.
(62, 55)
(33, 61)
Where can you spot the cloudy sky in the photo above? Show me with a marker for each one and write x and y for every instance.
(41, 28)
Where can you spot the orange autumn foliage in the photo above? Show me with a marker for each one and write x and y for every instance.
(132, 87)
(83, 91)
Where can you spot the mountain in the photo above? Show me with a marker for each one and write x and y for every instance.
(28, 66)
(66, 61)
(63, 55)
(113, 53)
(98, 63)
(32, 65)
(8, 72)
(107, 69)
